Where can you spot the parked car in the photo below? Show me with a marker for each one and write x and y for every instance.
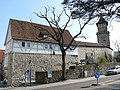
(113, 70)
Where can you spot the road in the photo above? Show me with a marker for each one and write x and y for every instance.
(87, 85)
(107, 83)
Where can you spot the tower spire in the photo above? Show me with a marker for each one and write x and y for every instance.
(101, 21)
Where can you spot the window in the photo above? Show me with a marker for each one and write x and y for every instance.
(91, 54)
(50, 46)
(42, 35)
(23, 44)
(46, 46)
(28, 44)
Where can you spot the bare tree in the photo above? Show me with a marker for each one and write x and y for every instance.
(58, 30)
(83, 10)
(117, 47)
(88, 10)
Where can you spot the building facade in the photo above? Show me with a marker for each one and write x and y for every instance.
(28, 47)
(91, 51)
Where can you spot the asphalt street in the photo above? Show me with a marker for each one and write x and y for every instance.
(104, 83)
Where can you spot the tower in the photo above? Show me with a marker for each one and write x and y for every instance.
(103, 34)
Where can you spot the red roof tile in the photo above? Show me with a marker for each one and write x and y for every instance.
(22, 30)
(1, 55)
(90, 44)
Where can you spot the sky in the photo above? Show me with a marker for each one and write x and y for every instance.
(23, 10)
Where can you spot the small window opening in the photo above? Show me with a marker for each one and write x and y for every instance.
(46, 46)
(23, 44)
(28, 44)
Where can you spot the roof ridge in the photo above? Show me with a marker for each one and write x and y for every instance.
(24, 21)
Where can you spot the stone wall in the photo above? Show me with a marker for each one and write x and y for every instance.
(74, 72)
(94, 52)
(9, 68)
(39, 62)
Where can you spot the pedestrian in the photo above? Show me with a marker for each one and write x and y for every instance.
(5, 82)
(23, 78)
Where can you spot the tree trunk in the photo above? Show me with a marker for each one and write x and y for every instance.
(63, 66)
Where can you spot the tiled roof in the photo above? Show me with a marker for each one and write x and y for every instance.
(1, 55)
(90, 44)
(22, 30)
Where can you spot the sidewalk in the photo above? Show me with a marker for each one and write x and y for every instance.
(70, 81)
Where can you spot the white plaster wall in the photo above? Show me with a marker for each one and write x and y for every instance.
(8, 38)
(8, 47)
(39, 48)
(8, 41)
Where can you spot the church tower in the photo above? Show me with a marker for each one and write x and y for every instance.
(103, 34)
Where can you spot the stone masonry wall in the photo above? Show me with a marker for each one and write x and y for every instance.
(9, 69)
(39, 62)
(93, 51)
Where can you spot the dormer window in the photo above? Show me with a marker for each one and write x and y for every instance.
(45, 36)
(40, 35)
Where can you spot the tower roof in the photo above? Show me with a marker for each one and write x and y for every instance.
(102, 20)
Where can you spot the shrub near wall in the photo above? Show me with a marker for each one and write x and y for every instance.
(74, 72)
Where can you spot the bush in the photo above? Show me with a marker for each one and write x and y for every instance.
(101, 60)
